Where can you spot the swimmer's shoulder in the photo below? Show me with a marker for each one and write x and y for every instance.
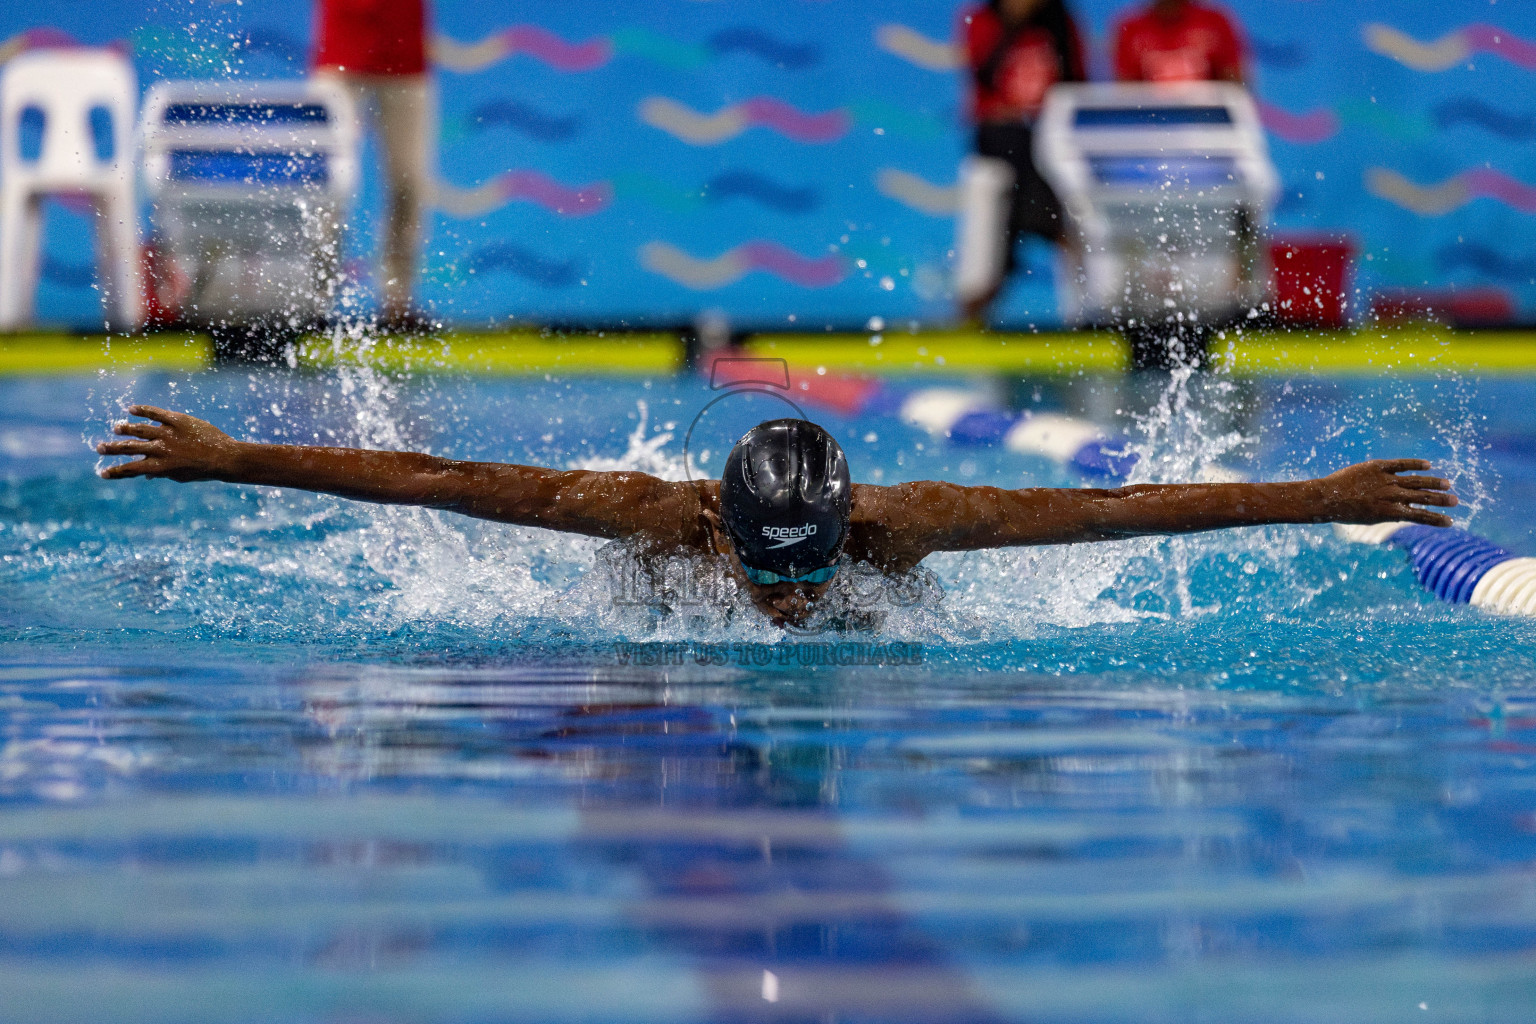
(878, 527)
(707, 493)
(868, 504)
(690, 518)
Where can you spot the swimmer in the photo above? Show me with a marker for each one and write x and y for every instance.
(784, 513)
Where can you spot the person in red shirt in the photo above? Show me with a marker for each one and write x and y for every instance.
(1016, 50)
(377, 50)
(1178, 41)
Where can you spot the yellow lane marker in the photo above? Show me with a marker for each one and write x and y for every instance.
(947, 352)
(1399, 350)
(72, 353)
(504, 354)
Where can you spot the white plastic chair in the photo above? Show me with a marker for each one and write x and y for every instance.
(66, 128)
(249, 184)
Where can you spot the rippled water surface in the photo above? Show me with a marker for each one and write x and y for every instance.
(274, 757)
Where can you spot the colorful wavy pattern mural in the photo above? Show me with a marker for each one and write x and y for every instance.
(37, 38)
(731, 266)
(1488, 262)
(1453, 193)
(479, 55)
(917, 192)
(1306, 129)
(533, 123)
(700, 129)
(523, 186)
(525, 263)
(1451, 49)
(585, 200)
(938, 55)
(663, 133)
(523, 118)
(743, 184)
(1471, 110)
(916, 124)
(1281, 56)
(1403, 126)
(594, 53)
(536, 42)
(932, 54)
(915, 48)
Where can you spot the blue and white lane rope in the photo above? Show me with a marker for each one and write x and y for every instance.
(972, 418)
(1457, 566)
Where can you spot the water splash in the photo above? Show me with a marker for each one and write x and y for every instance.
(283, 567)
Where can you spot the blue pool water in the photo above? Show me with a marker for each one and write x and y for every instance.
(274, 757)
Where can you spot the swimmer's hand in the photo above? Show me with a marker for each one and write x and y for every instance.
(1376, 492)
(174, 445)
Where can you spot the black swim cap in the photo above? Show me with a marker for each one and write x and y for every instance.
(785, 497)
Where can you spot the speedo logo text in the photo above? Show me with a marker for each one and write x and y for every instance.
(787, 535)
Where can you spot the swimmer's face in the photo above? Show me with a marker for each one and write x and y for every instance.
(785, 604)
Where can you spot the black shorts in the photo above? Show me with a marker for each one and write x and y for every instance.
(1035, 209)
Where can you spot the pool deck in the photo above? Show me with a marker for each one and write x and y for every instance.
(1413, 349)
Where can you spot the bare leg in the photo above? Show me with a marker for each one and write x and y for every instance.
(405, 130)
(325, 227)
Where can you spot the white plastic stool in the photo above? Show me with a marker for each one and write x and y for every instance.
(86, 101)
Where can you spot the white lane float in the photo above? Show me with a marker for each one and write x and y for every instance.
(1457, 566)
(967, 418)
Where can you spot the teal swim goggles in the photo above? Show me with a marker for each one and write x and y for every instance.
(767, 577)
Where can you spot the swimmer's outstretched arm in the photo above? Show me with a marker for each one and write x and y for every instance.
(180, 447)
(929, 516)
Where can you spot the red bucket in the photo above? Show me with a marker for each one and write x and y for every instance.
(1311, 280)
